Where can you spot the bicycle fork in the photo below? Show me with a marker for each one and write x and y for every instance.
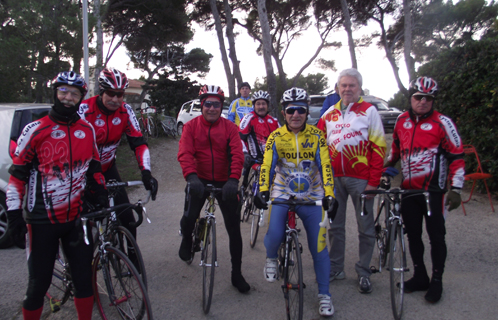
(205, 238)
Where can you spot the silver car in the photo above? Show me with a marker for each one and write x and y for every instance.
(190, 110)
(13, 118)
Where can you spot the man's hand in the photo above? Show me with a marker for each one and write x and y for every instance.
(453, 200)
(367, 188)
(261, 199)
(196, 185)
(150, 183)
(390, 171)
(230, 189)
(17, 227)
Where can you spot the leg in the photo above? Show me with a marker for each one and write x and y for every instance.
(276, 230)
(191, 212)
(337, 231)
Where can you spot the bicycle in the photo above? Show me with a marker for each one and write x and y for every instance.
(247, 206)
(390, 239)
(289, 259)
(204, 240)
(147, 123)
(169, 126)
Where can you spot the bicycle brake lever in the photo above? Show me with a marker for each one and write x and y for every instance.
(144, 210)
(262, 217)
(362, 203)
(85, 233)
(323, 224)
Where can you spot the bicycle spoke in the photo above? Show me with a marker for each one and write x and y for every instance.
(293, 280)
(397, 268)
(208, 258)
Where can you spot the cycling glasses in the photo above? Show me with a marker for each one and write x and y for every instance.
(113, 94)
(214, 104)
(420, 97)
(63, 91)
(300, 110)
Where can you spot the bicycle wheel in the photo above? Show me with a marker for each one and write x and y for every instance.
(248, 197)
(61, 288)
(293, 280)
(153, 128)
(256, 216)
(208, 258)
(126, 243)
(143, 129)
(397, 263)
(381, 233)
(118, 288)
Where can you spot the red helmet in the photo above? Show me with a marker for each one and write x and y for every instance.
(423, 86)
(111, 78)
(210, 90)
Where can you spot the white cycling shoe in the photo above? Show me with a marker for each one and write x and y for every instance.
(326, 308)
(270, 269)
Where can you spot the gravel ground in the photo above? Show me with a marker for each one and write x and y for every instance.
(470, 290)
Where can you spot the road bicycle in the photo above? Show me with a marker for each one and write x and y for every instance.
(169, 126)
(290, 265)
(247, 206)
(204, 240)
(148, 123)
(390, 238)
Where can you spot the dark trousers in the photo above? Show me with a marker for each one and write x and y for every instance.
(229, 212)
(414, 210)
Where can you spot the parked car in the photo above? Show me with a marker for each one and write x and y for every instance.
(13, 118)
(387, 114)
(315, 108)
(192, 109)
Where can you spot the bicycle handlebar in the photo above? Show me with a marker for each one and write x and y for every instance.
(113, 184)
(396, 192)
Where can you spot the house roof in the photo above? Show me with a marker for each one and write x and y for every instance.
(136, 83)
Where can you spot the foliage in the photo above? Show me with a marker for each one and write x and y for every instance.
(468, 80)
(399, 101)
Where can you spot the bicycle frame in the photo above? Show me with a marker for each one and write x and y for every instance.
(209, 210)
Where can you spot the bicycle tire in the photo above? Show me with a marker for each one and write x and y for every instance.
(293, 280)
(118, 288)
(254, 225)
(126, 243)
(397, 268)
(208, 259)
(61, 288)
(381, 234)
(153, 128)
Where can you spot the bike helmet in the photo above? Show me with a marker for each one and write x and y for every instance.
(293, 95)
(70, 78)
(111, 78)
(210, 90)
(423, 86)
(260, 95)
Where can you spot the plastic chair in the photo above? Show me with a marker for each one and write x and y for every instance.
(469, 150)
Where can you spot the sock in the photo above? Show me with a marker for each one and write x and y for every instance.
(84, 307)
(32, 314)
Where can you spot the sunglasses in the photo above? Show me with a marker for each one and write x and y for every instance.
(427, 98)
(214, 104)
(65, 91)
(300, 110)
(113, 94)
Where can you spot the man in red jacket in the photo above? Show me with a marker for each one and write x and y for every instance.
(210, 151)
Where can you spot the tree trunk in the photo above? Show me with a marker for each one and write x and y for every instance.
(231, 43)
(221, 40)
(100, 40)
(410, 67)
(390, 58)
(347, 26)
(267, 49)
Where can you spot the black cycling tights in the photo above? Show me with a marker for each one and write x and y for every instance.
(42, 246)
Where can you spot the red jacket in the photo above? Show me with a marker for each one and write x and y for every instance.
(211, 150)
(110, 126)
(254, 131)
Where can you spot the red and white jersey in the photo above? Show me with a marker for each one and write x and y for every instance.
(57, 160)
(254, 131)
(110, 126)
(429, 148)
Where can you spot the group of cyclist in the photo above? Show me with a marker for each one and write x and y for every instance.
(65, 158)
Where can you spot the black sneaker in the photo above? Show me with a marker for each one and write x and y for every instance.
(364, 285)
(185, 249)
(435, 291)
(417, 283)
(240, 283)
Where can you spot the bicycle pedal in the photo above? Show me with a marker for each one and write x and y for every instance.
(374, 269)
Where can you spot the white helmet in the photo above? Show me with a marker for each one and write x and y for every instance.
(260, 95)
(295, 95)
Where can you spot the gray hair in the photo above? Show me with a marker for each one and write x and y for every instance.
(352, 72)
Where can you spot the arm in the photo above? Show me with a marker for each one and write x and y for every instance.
(136, 141)
(377, 147)
(270, 157)
(323, 160)
(452, 144)
(245, 129)
(232, 111)
(236, 155)
(186, 151)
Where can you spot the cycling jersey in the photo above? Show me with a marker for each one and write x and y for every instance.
(239, 108)
(297, 164)
(110, 126)
(211, 150)
(356, 141)
(430, 148)
(254, 131)
(56, 158)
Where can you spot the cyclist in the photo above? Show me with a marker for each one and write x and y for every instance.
(55, 157)
(112, 117)
(241, 106)
(297, 164)
(430, 150)
(210, 152)
(255, 128)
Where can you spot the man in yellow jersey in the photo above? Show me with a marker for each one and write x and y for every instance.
(241, 106)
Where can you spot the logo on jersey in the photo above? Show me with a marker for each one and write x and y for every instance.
(270, 121)
(426, 126)
(58, 134)
(307, 144)
(407, 125)
(79, 134)
(261, 120)
(55, 127)
(116, 121)
(99, 122)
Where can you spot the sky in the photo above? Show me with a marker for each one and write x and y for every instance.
(378, 77)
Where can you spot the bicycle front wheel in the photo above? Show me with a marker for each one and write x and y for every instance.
(397, 264)
(256, 216)
(153, 128)
(293, 279)
(208, 258)
(61, 288)
(125, 242)
(381, 232)
(118, 288)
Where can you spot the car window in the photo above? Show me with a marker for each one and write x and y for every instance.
(317, 101)
(185, 107)
(23, 117)
(197, 106)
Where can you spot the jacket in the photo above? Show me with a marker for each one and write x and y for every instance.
(254, 131)
(239, 108)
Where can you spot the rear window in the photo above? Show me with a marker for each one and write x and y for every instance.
(23, 117)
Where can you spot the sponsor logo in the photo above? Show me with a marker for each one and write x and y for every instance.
(79, 134)
(261, 120)
(343, 125)
(99, 123)
(99, 116)
(303, 155)
(58, 134)
(352, 135)
(116, 121)
(55, 127)
(307, 144)
(407, 125)
(270, 121)
(426, 126)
